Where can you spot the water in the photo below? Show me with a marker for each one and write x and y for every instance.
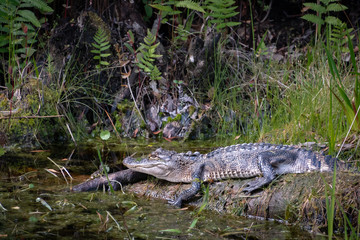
(35, 204)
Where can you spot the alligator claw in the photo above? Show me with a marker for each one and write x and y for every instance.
(254, 185)
(177, 202)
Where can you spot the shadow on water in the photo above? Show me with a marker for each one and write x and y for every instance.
(35, 203)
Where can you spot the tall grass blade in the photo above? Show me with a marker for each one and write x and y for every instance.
(330, 204)
(106, 173)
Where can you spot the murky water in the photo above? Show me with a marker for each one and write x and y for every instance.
(35, 203)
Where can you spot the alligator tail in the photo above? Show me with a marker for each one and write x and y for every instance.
(330, 163)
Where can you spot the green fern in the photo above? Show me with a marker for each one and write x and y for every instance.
(325, 7)
(147, 57)
(190, 5)
(220, 11)
(167, 8)
(339, 38)
(100, 46)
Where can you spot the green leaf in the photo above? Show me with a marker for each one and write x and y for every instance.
(104, 63)
(190, 5)
(148, 11)
(333, 20)
(2, 151)
(104, 48)
(171, 230)
(231, 24)
(95, 45)
(30, 16)
(104, 43)
(146, 63)
(224, 16)
(193, 223)
(336, 7)
(33, 219)
(131, 36)
(95, 51)
(105, 135)
(104, 55)
(161, 7)
(313, 19)
(129, 47)
(41, 5)
(316, 7)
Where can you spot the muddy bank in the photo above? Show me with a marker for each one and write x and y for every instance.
(295, 198)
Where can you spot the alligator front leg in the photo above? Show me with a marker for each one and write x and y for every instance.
(267, 171)
(193, 190)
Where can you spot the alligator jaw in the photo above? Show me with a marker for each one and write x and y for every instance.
(158, 169)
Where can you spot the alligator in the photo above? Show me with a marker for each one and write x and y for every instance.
(236, 161)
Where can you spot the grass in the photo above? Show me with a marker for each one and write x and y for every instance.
(286, 103)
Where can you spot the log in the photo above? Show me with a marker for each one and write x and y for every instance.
(124, 177)
(292, 198)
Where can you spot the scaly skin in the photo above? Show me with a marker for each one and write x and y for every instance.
(236, 161)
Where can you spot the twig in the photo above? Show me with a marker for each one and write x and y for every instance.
(72, 136)
(133, 98)
(50, 116)
(112, 123)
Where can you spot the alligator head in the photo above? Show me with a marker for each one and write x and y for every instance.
(165, 164)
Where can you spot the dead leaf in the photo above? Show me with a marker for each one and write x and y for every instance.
(124, 63)
(38, 151)
(125, 75)
(135, 132)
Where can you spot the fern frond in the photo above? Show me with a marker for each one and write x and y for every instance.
(220, 11)
(100, 46)
(190, 5)
(148, 56)
(40, 5)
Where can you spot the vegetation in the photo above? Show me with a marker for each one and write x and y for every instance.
(310, 94)
(18, 37)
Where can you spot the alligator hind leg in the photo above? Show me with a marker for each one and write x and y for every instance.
(267, 171)
(193, 190)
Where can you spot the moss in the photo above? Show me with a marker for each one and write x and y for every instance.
(191, 110)
(142, 125)
(177, 118)
(31, 131)
(4, 103)
(97, 22)
(125, 105)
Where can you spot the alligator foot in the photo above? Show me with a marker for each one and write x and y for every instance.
(175, 202)
(256, 184)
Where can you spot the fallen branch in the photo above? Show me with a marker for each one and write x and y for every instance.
(28, 117)
(124, 177)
